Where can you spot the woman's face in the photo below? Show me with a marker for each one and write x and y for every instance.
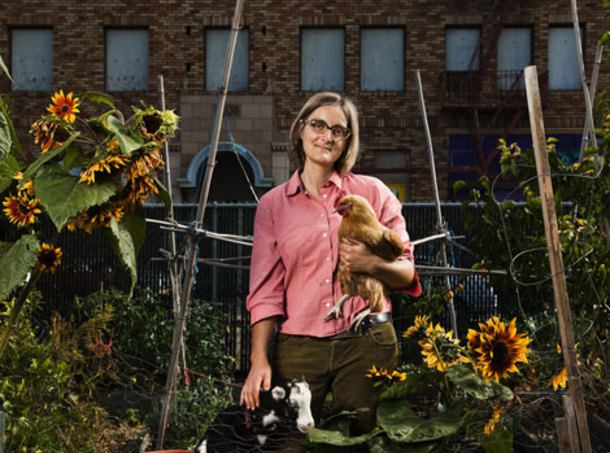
(321, 145)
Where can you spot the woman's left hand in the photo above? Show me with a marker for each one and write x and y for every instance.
(356, 256)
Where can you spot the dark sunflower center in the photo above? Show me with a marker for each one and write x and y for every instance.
(501, 356)
(47, 257)
(152, 123)
(65, 108)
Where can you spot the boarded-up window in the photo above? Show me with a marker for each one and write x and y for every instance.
(32, 59)
(514, 54)
(216, 42)
(461, 49)
(322, 59)
(127, 57)
(563, 61)
(382, 59)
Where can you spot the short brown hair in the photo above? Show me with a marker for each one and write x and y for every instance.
(352, 145)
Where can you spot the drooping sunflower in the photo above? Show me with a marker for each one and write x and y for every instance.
(144, 165)
(496, 416)
(559, 380)
(21, 210)
(140, 190)
(497, 348)
(49, 257)
(151, 123)
(106, 165)
(420, 322)
(440, 349)
(64, 107)
(97, 216)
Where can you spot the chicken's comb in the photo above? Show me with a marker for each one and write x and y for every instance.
(339, 197)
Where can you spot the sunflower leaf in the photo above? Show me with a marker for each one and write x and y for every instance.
(62, 195)
(8, 168)
(5, 136)
(15, 146)
(323, 436)
(5, 69)
(501, 440)
(136, 225)
(124, 246)
(121, 133)
(382, 444)
(469, 381)
(163, 194)
(16, 260)
(46, 157)
(402, 425)
(415, 382)
(96, 97)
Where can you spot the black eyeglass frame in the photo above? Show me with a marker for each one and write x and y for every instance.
(344, 132)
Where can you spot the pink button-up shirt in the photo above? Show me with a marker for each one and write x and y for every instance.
(295, 253)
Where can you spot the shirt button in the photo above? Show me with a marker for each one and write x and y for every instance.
(324, 235)
(327, 304)
(325, 195)
(326, 280)
(328, 258)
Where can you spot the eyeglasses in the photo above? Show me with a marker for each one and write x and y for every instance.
(320, 126)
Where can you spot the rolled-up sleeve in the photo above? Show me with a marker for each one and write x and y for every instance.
(266, 296)
(391, 216)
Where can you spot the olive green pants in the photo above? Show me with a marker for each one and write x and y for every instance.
(339, 366)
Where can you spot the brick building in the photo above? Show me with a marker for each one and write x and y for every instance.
(470, 53)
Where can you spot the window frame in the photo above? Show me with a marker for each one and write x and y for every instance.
(205, 59)
(477, 27)
(9, 63)
(324, 27)
(583, 40)
(108, 28)
(404, 58)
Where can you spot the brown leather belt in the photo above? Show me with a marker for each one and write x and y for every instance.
(368, 322)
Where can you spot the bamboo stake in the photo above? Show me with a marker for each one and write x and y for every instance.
(172, 263)
(191, 252)
(440, 224)
(556, 261)
(589, 130)
(583, 76)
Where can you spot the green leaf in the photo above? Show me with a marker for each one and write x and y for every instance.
(73, 158)
(63, 196)
(8, 168)
(415, 382)
(96, 98)
(46, 157)
(382, 444)
(136, 224)
(124, 247)
(323, 436)
(5, 136)
(15, 146)
(458, 185)
(403, 425)
(16, 260)
(469, 381)
(163, 194)
(5, 69)
(501, 440)
(121, 133)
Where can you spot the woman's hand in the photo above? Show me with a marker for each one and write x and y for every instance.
(356, 256)
(259, 375)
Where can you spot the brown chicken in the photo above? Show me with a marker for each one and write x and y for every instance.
(360, 223)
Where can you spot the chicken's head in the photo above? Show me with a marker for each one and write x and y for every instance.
(354, 206)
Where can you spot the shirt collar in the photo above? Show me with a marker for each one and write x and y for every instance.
(295, 184)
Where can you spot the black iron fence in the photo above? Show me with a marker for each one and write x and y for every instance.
(89, 265)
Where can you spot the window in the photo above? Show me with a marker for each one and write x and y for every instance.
(322, 59)
(514, 54)
(32, 59)
(216, 42)
(462, 49)
(127, 57)
(382, 59)
(564, 73)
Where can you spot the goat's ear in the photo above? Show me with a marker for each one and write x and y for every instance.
(278, 393)
(303, 378)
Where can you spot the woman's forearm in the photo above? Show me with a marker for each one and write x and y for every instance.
(395, 274)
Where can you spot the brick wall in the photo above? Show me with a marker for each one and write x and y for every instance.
(390, 120)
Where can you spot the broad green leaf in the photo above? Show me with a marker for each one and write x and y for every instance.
(73, 158)
(501, 440)
(63, 196)
(136, 224)
(403, 426)
(124, 247)
(121, 133)
(5, 69)
(46, 157)
(96, 97)
(382, 444)
(8, 168)
(414, 383)
(16, 260)
(469, 381)
(322, 436)
(5, 136)
(15, 145)
(163, 194)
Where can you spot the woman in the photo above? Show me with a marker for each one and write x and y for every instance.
(295, 254)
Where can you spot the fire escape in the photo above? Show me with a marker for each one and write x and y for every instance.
(488, 99)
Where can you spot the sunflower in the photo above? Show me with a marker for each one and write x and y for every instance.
(49, 257)
(97, 216)
(27, 186)
(378, 375)
(21, 210)
(420, 322)
(64, 107)
(396, 376)
(559, 380)
(106, 165)
(151, 124)
(440, 349)
(144, 165)
(496, 416)
(140, 190)
(497, 348)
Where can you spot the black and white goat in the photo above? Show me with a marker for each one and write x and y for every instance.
(282, 409)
